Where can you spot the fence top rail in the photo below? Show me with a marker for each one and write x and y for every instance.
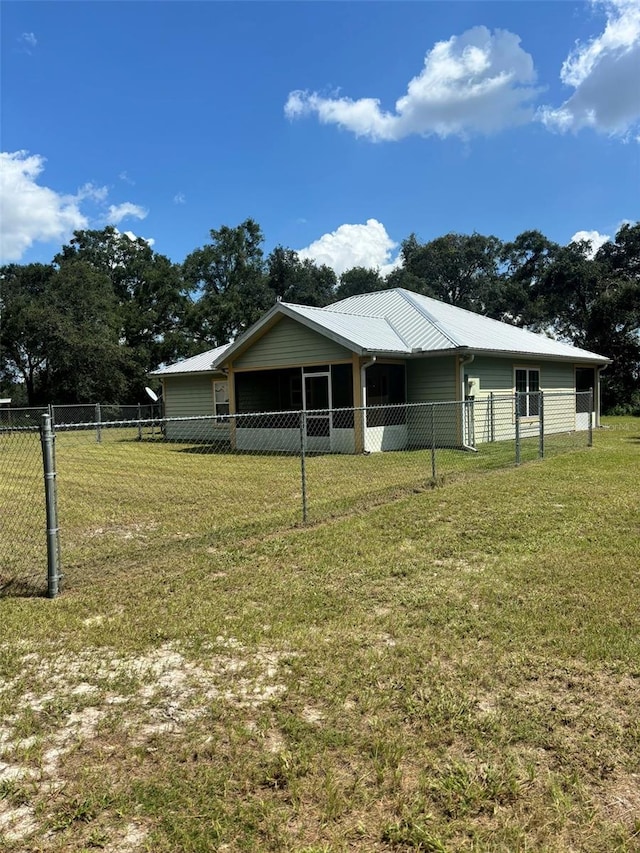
(138, 422)
(8, 430)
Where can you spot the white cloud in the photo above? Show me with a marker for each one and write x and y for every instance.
(605, 75)
(133, 237)
(179, 198)
(595, 238)
(118, 212)
(354, 246)
(28, 40)
(478, 82)
(92, 192)
(30, 212)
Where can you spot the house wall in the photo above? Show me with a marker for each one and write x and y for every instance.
(433, 380)
(495, 420)
(436, 380)
(189, 396)
(289, 344)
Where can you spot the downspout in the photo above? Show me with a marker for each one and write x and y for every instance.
(464, 361)
(363, 386)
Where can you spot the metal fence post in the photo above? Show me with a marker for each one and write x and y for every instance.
(517, 430)
(98, 427)
(303, 464)
(541, 424)
(590, 431)
(433, 442)
(492, 423)
(139, 422)
(47, 439)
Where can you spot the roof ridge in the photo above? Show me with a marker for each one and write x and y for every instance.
(408, 296)
(396, 332)
(327, 309)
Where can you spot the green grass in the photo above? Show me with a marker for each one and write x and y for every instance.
(455, 670)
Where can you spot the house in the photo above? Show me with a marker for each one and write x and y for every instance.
(192, 388)
(383, 351)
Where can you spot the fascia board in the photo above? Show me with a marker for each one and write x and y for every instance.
(210, 372)
(533, 356)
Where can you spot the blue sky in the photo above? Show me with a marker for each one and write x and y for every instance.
(340, 127)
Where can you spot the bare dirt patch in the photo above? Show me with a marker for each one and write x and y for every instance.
(71, 697)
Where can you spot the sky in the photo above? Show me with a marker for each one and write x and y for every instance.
(340, 127)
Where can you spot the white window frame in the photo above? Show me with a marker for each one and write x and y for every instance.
(528, 369)
(222, 403)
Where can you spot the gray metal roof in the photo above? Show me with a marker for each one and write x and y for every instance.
(428, 325)
(366, 332)
(201, 363)
(398, 322)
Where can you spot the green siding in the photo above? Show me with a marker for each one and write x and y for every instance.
(431, 380)
(185, 396)
(291, 343)
(496, 374)
(558, 376)
(495, 420)
(189, 396)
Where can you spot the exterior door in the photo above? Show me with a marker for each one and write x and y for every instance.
(317, 404)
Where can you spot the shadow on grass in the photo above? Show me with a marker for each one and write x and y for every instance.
(16, 588)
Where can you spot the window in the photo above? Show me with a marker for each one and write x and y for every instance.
(527, 382)
(221, 399)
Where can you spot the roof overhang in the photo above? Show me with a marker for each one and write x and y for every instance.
(514, 354)
(213, 372)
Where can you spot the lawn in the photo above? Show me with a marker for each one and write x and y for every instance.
(454, 670)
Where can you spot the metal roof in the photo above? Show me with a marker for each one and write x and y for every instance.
(366, 332)
(201, 363)
(428, 325)
(398, 322)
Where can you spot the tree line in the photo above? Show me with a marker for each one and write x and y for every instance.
(108, 309)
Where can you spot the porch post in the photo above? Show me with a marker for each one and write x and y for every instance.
(358, 419)
(231, 384)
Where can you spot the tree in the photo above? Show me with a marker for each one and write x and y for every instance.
(60, 334)
(303, 282)
(151, 295)
(617, 318)
(228, 277)
(25, 318)
(86, 360)
(594, 302)
(526, 262)
(359, 280)
(460, 269)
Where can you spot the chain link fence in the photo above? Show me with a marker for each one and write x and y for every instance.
(23, 541)
(131, 487)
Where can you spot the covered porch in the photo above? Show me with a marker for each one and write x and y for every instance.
(344, 407)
